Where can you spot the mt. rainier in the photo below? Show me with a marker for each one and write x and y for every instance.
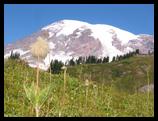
(71, 38)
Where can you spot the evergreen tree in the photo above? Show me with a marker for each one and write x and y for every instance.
(113, 59)
(88, 59)
(104, 60)
(127, 55)
(149, 52)
(107, 59)
(117, 58)
(83, 60)
(124, 56)
(72, 62)
(93, 59)
(137, 51)
(56, 66)
(79, 60)
(99, 60)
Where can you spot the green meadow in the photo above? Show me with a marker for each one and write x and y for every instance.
(112, 89)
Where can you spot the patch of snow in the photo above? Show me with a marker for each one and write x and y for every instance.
(51, 45)
(20, 51)
(68, 40)
(128, 49)
(66, 27)
(52, 28)
(78, 34)
(70, 53)
(123, 35)
(32, 65)
(62, 57)
(43, 66)
(48, 59)
(7, 55)
(100, 32)
(65, 44)
(26, 57)
(50, 34)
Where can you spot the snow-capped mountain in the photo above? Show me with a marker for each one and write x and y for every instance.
(71, 38)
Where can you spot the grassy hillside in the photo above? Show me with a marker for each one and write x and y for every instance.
(128, 74)
(97, 99)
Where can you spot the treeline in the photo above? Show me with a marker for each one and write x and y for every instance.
(95, 60)
(87, 60)
(127, 55)
(56, 65)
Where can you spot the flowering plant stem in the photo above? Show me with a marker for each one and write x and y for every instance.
(64, 80)
(37, 88)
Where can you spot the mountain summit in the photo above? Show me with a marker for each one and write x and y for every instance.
(71, 38)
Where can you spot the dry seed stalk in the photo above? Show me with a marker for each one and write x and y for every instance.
(39, 49)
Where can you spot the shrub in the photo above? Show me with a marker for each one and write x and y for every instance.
(116, 73)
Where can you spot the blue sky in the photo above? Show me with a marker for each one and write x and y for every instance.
(21, 20)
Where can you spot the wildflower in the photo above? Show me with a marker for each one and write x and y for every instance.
(39, 49)
(94, 85)
(63, 67)
(86, 82)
